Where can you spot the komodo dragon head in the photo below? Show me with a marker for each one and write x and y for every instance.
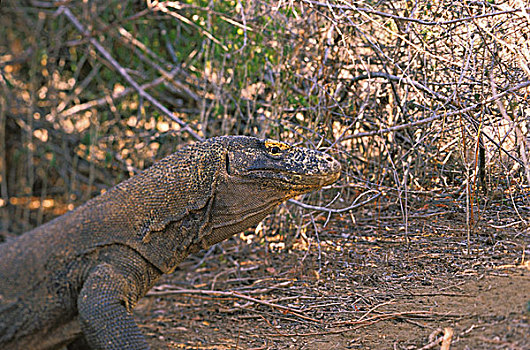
(260, 174)
(208, 191)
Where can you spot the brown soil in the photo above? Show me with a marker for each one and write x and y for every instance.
(364, 286)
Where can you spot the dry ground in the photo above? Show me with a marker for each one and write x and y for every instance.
(365, 286)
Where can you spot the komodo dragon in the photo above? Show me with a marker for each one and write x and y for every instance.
(74, 281)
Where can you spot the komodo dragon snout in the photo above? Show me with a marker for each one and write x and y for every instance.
(75, 280)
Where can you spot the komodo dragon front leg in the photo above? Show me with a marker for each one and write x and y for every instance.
(104, 305)
(75, 280)
(109, 293)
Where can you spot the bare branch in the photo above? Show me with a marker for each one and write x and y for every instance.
(341, 210)
(438, 116)
(66, 11)
(409, 19)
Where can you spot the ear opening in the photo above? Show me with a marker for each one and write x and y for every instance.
(227, 163)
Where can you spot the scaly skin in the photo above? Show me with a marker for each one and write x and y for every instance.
(74, 281)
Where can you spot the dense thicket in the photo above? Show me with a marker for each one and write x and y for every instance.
(420, 100)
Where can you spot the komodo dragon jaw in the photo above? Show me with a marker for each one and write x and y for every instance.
(75, 279)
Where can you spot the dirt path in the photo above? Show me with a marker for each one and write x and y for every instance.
(488, 313)
(362, 287)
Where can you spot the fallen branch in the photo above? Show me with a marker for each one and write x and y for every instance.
(432, 344)
(359, 324)
(448, 337)
(388, 316)
(434, 339)
(231, 294)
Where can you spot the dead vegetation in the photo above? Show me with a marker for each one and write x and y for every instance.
(425, 103)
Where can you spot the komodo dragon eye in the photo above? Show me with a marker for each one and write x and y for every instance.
(275, 150)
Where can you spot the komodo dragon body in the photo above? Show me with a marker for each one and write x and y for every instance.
(75, 280)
